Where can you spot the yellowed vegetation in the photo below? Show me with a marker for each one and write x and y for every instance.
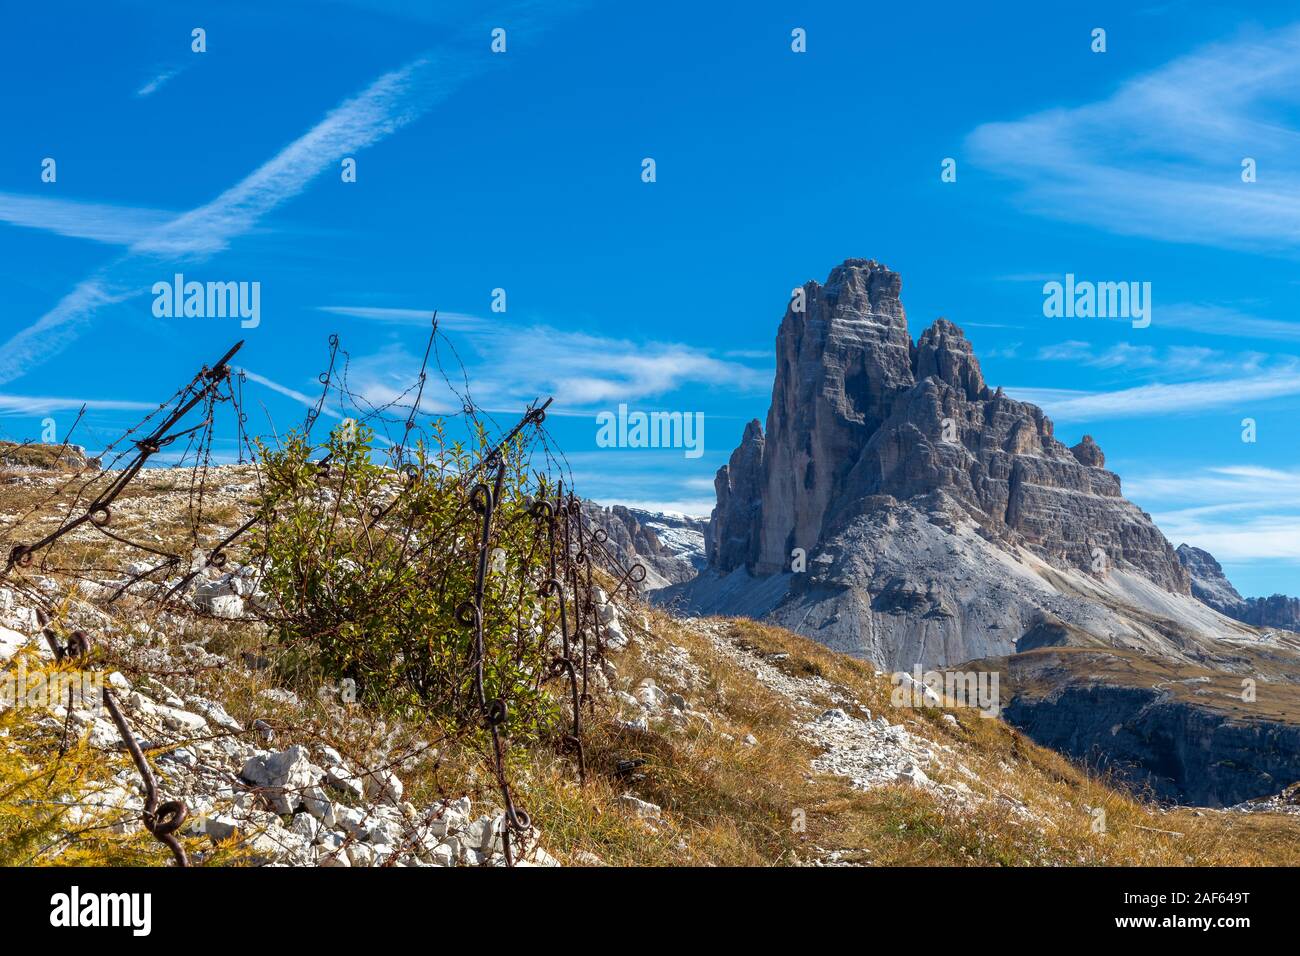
(726, 804)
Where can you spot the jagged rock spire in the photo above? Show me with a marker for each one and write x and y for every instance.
(858, 412)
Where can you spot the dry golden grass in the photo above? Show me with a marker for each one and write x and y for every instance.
(727, 804)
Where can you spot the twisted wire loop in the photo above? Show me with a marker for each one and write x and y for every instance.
(483, 500)
(399, 455)
(633, 575)
(580, 607)
(325, 378)
(563, 664)
(78, 645)
(160, 820)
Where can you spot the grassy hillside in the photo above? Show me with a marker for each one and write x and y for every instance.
(705, 744)
(733, 804)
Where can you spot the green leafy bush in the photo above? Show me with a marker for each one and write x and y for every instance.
(370, 571)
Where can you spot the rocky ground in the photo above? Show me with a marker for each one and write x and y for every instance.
(280, 800)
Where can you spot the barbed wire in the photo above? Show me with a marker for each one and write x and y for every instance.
(557, 561)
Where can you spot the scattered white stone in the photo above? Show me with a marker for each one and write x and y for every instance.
(215, 714)
(282, 776)
(638, 807)
(382, 784)
(10, 643)
(181, 721)
(344, 781)
(614, 636)
(280, 696)
(650, 695)
(442, 855)
(913, 775)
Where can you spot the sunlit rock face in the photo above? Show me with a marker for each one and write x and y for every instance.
(859, 412)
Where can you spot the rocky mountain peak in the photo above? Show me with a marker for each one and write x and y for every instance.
(1209, 584)
(732, 536)
(840, 361)
(1089, 453)
(860, 414)
(860, 281)
(944, 352)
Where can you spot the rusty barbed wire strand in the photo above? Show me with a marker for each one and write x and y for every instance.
(558, 556)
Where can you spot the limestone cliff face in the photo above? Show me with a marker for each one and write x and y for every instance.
(859, 415)
(1175, 750)
(841, 363)
(1211, 586)
(733, 534)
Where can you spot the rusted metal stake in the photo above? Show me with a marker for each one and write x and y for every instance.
(162, 821)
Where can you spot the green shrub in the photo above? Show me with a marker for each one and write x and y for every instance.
(370, 569)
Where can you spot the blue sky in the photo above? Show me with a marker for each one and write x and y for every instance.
(522, 171)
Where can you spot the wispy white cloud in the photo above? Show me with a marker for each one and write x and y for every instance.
(1211, 379)
(305, 400)
(53, 331)
(1159, 158)
(387, 104)
(42, 404)
(591, 370)
(158, 81)
(1158, 398)
(446, 320)
(119, 225)
(1223, 320)
(1177, 360)
(510, 365)
(1009, 351)
(1239, 513)
(1270, 537)
(1216, 486)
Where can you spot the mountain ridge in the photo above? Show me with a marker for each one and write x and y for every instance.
(899, 509)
